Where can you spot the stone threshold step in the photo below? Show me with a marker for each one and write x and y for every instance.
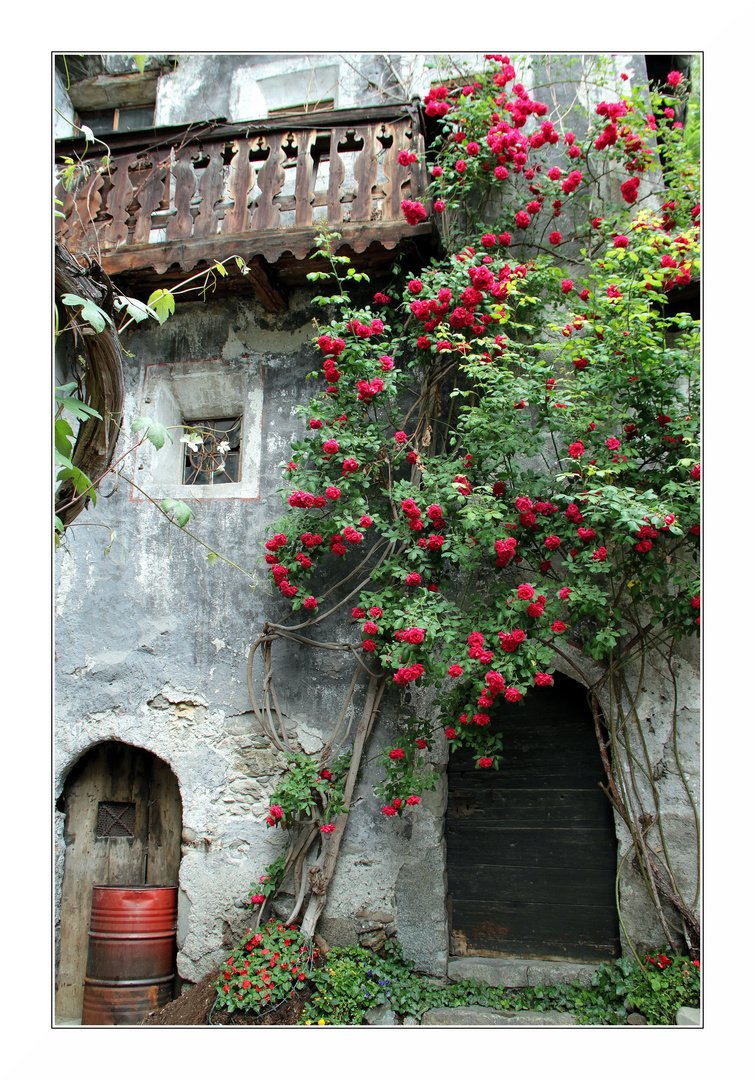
(518, 973)
(477, 1016)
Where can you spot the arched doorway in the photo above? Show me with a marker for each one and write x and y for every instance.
(122, 827)
(531, 847)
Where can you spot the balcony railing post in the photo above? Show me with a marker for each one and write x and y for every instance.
(305, 178)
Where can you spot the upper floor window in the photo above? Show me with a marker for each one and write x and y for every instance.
(125, 118)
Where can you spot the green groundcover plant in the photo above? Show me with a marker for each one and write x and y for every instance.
(670, 983)
(354, 980)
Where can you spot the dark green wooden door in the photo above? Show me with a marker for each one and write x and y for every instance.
(531, 848)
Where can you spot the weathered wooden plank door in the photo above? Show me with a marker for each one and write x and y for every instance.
(123, 827)
(531, 848)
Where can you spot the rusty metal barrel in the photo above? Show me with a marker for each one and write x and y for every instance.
(132, 953)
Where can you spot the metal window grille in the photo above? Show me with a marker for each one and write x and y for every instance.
(115, 819)
(213, 451)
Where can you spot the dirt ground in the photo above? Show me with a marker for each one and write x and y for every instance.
(195, 1008)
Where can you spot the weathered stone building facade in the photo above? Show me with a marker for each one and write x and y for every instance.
(152, 641)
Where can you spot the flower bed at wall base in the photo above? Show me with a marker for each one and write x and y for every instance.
(266, 967)
(348, 982)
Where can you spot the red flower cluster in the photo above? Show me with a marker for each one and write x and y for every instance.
(409, 674)
(629, 189)
(505, 551)
(435, 101)
(366, 391)
(414, 212)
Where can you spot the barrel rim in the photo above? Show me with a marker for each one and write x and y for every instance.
(140, 888)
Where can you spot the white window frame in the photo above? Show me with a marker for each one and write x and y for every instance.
(175, 392)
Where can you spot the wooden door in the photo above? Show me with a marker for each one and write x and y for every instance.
(531, 848)
(122, 827)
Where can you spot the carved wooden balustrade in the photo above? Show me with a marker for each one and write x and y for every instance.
(172, 199)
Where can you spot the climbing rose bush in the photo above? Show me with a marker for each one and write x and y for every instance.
(541, 494)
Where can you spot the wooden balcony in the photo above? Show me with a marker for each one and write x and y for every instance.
(174, 200)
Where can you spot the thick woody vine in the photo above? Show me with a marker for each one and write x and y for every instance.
(502, 467)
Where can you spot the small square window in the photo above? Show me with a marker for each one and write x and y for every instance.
(219, 401)
(212, 454)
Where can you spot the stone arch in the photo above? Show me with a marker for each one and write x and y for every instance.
(123, 817)
(531, 849)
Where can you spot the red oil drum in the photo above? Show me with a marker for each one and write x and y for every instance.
(132, 953)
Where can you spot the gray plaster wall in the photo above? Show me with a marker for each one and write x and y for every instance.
(152, 646)
(249, 85)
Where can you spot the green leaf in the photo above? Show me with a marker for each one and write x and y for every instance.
(163, 302)
(81, 481)
(90, 312)
(178, 510)
(77, 408)
(59, 527)
(221, 269)
(154, 430)
(63, 436)
(140, 60)
(212, 558)
(135, 308)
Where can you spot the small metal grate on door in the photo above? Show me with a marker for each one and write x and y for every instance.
(116, 819)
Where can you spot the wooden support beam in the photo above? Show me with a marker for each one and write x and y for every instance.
(113, 91)
(271, 298)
